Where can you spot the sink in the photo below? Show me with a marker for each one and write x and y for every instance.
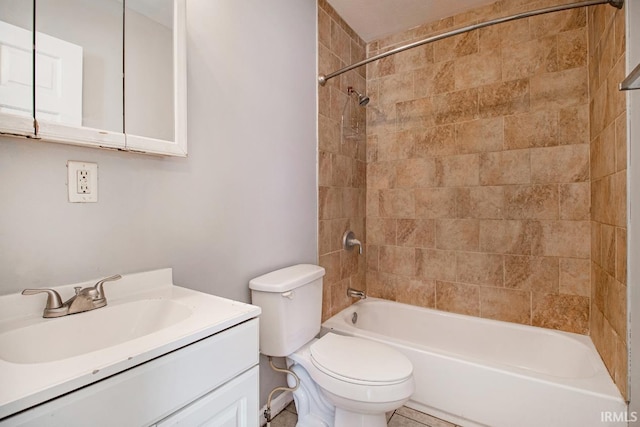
(147, 316)
(82, 333)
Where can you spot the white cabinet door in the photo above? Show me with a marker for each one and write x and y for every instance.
(235, 404)
(16, 74)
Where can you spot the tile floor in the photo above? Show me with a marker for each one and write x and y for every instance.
(403, 417)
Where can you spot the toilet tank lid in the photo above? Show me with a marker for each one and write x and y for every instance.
(287, 278)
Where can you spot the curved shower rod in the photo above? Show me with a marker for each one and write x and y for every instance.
(322, 79)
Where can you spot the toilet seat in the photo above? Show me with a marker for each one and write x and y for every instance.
(344, 387)
(359, 361)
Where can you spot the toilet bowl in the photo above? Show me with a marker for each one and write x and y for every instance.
(343, 381)
(362, 379)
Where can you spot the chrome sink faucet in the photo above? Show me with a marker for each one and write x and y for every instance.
(84, 300)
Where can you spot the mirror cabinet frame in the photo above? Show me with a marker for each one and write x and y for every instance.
(30, 127)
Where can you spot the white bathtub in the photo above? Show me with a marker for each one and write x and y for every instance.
(479, 372)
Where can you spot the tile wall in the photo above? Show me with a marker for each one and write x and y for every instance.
(608, 189)
(478, 173)
(342, 168)
(494, 177)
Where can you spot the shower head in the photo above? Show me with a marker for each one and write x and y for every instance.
(363, 100)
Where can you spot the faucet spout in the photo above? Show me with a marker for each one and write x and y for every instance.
(355, 293)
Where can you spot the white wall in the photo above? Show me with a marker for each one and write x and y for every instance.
(243, 203)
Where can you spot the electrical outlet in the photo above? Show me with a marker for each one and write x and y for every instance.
(82, 180)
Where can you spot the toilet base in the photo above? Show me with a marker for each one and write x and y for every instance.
(346, 418)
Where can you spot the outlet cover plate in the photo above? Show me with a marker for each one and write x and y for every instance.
(88, 173)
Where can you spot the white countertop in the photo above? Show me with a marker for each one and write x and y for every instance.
(23, 385)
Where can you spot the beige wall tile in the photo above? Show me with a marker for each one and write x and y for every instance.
(508, 237)
(456, 46)
(509, 305)
(602, 198)
(505, 167)
(324, 237)
(621, 255)
(608, 248)
(527, 273)
(544, 25)
(341, 171)
(414, 114)
(372, 257)
(436, 202)
(575, 201)
(381, 285)
(414, 58)
(620, 198)
(573, 125)
(575, 276)
(615, 307)
(603, 153)
(481, 202)
(381, 231)
(572, 48)
(564, 239)
(621, 143)
(478, 69)
(504, 35)
(416, 232)
(560, 89)
(432, 79)
(394, 88)
(456, 171)
(478, 136)
(565, 312)
(531, 201)
(324, 168)
(328, 134)
(500, 99)
(414, 291)
(436, 264)
(458, 234)
(562, 164)
(458, 298)
(480, 268)
(330, 202)
(397, 260)
(452, 107)
(526, 59)
(413, 173)
(535, 129)
(348, 264)
(431, 142)
(397, 203)
(381, 175)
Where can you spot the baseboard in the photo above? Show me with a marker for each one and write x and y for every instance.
(277, 405)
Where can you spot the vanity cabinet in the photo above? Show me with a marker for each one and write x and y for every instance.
(212, 382)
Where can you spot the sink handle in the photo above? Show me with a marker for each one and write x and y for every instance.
(53, 298)
(99, 285)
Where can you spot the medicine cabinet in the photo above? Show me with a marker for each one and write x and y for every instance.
(96, 73)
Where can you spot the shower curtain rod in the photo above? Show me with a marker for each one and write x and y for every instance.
(322, 79)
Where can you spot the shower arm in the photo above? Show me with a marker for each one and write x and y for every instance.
(322, 79)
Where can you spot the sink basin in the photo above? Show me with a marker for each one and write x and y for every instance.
(147, 316)
(90, 331)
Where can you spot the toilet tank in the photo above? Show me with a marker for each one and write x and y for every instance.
(291, 303)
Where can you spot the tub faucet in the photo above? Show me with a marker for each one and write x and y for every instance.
(84, 300)
(354, 293)
(349, 241)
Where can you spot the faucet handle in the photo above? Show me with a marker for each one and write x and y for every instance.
(53, 297)
(99, 285)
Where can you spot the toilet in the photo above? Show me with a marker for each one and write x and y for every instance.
(344, 381)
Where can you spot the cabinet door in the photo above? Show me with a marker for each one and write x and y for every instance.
(235, 404)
